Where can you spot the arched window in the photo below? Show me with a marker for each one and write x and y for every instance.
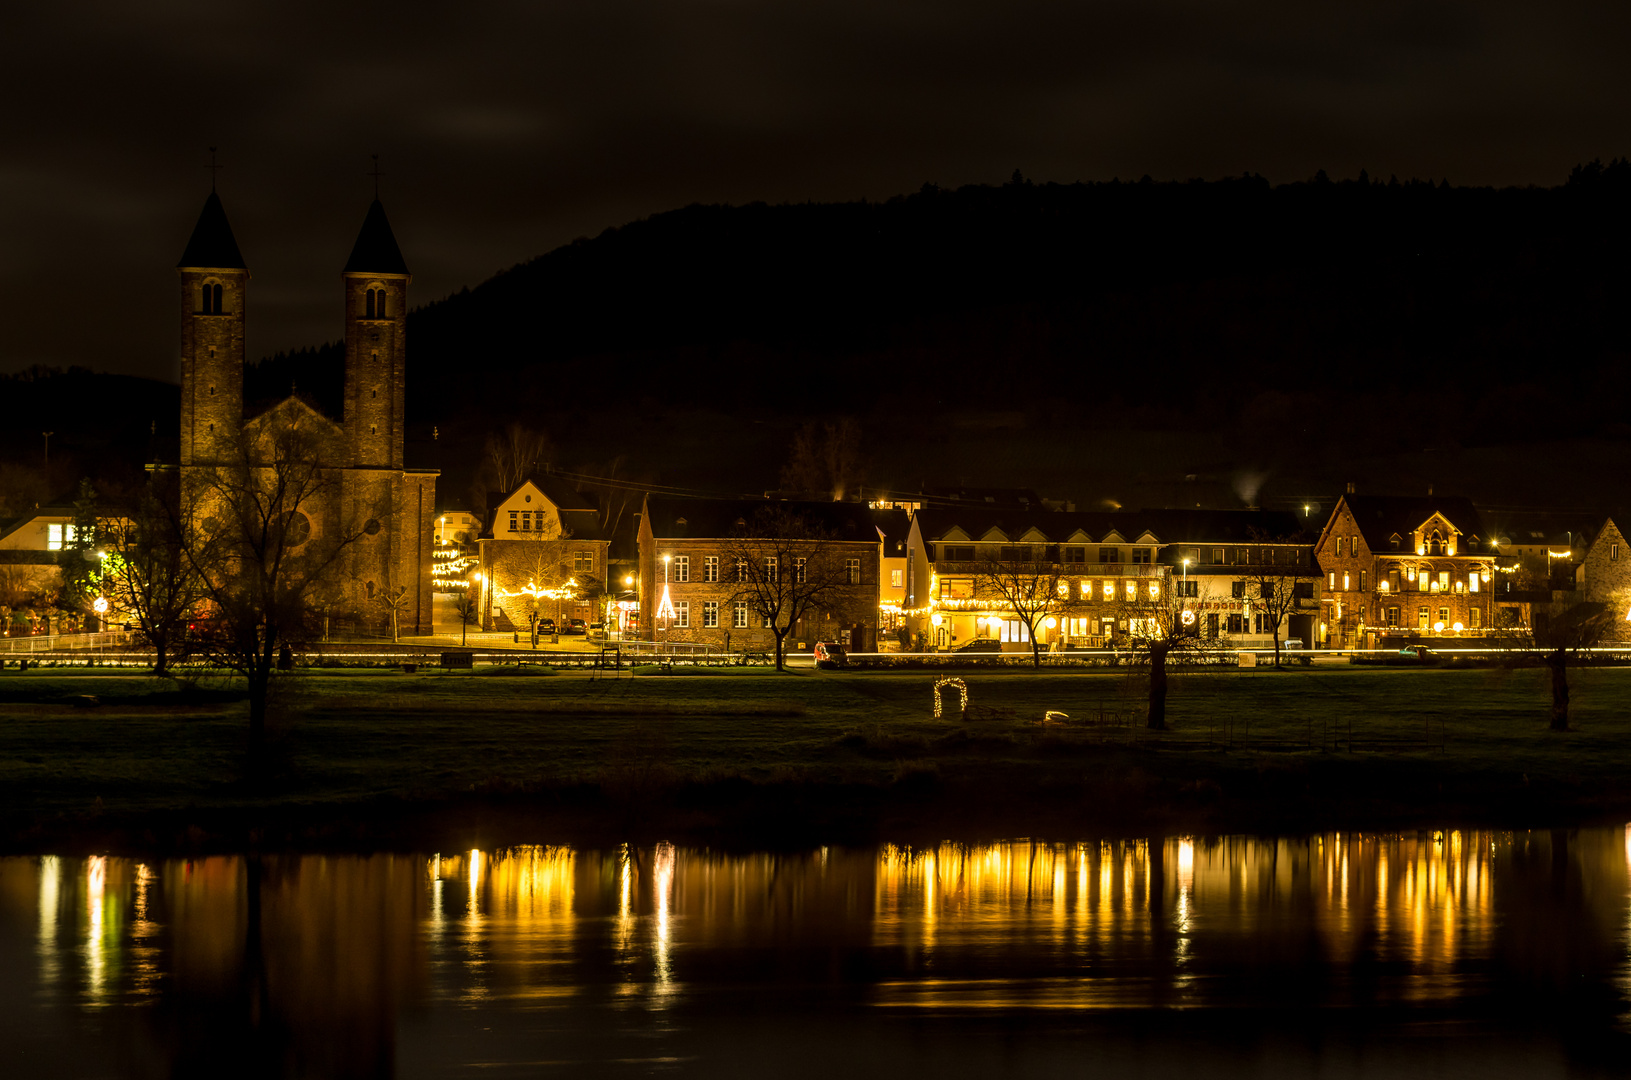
(374, 304)
(209, 299)
(368, 311)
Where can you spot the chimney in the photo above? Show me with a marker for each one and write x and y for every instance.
(1350, 487)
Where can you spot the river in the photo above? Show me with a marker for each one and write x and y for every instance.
(1426, 954)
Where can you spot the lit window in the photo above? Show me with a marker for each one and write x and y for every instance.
(852, 571)
(1347, 583)
(1421, 618)
(710, 614)
(1333, 579)
(710, 568)
(682, 613)
(896, 579)
(739, 614)
(1132, 591)
(682, 568)
(1109, 590)
(1443, 580)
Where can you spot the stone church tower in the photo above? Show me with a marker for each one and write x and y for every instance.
(386, 511)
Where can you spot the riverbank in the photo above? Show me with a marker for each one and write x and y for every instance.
(451, 760)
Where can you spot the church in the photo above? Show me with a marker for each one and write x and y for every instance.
(385, 511)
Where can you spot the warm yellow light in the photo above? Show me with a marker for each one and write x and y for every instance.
(936, 619)
(1052, 622)
(665, 558)
(628, 579)
(1382, 585)
(1188, 617)
(1421, 549)
(479, 578)
(100, 605)
(1456, 628)
(1438, 627)
(1485, 576)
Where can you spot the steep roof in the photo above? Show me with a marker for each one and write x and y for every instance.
(375, 251)
(1381, 516)
(686, 519)
(212, 244)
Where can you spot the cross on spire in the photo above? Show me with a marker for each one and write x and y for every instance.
(213, 168)
(376, 174)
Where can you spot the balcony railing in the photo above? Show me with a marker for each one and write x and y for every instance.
(1109, 570)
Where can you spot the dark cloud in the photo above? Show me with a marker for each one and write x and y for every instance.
(509, 128)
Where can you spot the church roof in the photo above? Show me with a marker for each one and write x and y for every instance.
(212, 243)
(375, 251)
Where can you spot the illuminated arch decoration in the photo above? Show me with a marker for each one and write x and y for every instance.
(1054, 716)
(962, 690)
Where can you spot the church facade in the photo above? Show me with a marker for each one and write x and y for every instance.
(376, 513)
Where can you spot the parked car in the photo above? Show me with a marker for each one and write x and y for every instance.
(546, 626)
(1292, 643)
(829, 655)
(979, 644)
(575, 626)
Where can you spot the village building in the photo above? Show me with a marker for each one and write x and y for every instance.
(1409, 567)
(691, 590)
(542, 555)
(1107, 570)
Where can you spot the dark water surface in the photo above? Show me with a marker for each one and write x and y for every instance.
(1433, 954)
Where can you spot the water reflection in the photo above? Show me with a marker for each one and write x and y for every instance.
(335, 965)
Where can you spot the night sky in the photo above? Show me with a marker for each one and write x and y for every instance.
(506, 129)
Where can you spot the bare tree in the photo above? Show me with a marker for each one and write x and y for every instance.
(149, 572)
(393, 601)
(468, 611)
(1558, 632)
(540, 569)
(787, 568)
(1165, 627)
(1025, 578)
(1277, 583)
(824, 460)
(263, 564)
(509, 457)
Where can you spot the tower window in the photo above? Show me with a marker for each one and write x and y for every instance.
(374, 305)
(210, 299)
(373, 429)
(212, 391)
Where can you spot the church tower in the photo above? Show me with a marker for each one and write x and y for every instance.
(375, 281)
(214, 291)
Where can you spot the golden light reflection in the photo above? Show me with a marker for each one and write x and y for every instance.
(662, 883)
(50, 904)
(96, 881)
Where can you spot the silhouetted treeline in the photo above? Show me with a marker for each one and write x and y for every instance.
(1406, 310)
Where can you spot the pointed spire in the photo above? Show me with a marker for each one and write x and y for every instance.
(375, 251)
(213, 244)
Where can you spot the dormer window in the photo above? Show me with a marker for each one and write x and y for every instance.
(1395, 540)
(1435, 544)
(374, 304)
(209, 298)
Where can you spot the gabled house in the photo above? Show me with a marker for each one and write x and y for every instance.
(543, 554)
(1408, 566)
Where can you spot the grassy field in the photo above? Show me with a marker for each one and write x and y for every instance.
(375, 757)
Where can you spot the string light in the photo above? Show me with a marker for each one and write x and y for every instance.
(962, 690)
